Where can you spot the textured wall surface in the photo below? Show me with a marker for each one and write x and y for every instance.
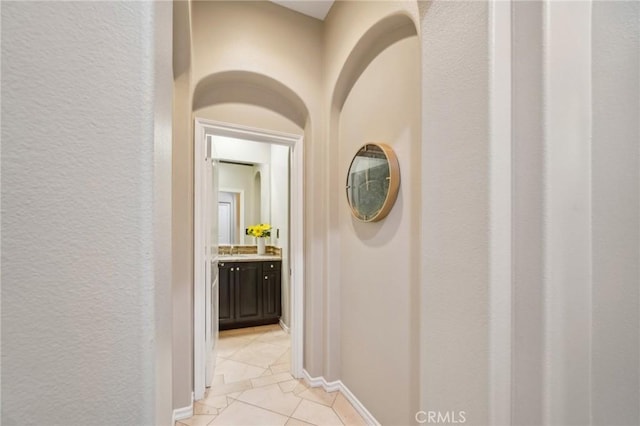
(85, 196)
(576, 213)
(615, 193)
(181, 210)
(455, 216)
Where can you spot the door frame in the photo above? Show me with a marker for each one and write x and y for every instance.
(204, 127)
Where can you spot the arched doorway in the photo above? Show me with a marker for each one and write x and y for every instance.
(270, 94)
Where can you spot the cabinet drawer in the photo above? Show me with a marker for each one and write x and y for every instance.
(275, 265)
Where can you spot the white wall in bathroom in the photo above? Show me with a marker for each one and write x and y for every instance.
(237, 177)
(242, 151)
(248, 152)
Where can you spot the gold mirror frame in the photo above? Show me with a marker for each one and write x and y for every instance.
(394, 183)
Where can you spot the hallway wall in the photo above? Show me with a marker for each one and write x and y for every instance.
(372, 66)
(563, 281)
(577, 214)
(379, 277)
(455, 209)
(181, 208)
(249, 115)
(86, 198)
(615, 163)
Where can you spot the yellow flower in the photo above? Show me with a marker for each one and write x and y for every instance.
(260, 230)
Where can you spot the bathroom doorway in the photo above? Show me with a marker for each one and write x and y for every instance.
(227, 214)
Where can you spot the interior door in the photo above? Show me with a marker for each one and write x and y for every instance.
(227, 218)
(211, 230)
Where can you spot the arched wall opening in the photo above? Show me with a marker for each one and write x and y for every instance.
(265, 94)
(376, 98)
(251, 88)
(374, 41)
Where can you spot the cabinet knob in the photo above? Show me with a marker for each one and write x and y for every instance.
(266, 277)
(272, 265)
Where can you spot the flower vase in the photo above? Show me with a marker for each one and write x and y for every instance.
(261, 245)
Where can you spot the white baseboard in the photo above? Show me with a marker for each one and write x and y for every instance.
(337, 385)
(182, 413)
(284, 327)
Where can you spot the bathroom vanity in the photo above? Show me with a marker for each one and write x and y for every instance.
(249, 290)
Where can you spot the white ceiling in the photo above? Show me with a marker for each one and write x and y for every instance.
(315, 8)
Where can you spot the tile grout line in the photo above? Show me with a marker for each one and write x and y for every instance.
(338, 415)
(296, 409)
(251, 337)
(270, 410)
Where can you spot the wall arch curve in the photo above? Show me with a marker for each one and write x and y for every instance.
(377, 38)
(250, 88)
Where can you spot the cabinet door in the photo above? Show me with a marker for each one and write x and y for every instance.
(248, 291)
(271, 299)
(226, 309)
(271, 294)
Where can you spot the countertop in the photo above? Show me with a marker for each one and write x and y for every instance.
(248, 258)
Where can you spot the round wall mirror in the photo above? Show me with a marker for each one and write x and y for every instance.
(372, 182)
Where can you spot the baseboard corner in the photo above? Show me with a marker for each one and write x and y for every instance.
(182, 413)
(284, 327)
(337, 385)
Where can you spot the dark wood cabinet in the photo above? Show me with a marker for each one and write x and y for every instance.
(226, 298)
(249, 293)
(271, 305)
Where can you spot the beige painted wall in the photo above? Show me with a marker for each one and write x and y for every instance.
(309, 58)
(181, 210)
(280, 50)
(379, 269)
(455, 209)
(272, 52)
(615, 193)
(350, 43)
(86, 198)
(345, 25)
(249, 115)
(182, 242)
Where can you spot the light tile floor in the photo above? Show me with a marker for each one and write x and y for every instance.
(252, 386)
